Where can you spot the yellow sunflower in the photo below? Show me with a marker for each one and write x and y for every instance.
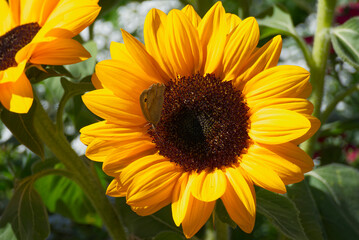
(38, 32)
(230, 117)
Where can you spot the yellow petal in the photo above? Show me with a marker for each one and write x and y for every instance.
(148, 210)
(298, 105)
(241, 43)
(192, 15)
(154, 33)
(125, 154)
(197, 215)
(261, 175)
(17, 96)
(113, 191)
(278, 82)
(182, 44)
(144, 60)
(59, 52)
(213, 34)
(284, 159)
(232, 21)
(96, 82)
(263, 58)
(209, 186)
(5, 17)
(115, 133)
(12, 74)
(276, 126)
(105, 104)
(125, 78)
(315, 124)
(15, 12)
(180, 197)
(133, 169)
(98, 150)
(69, 18)
(239, 199)
(153, 185)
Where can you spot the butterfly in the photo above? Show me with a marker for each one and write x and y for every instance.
(151, 101)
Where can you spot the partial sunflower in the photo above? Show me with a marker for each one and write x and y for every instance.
(38, 32)
(230, 117)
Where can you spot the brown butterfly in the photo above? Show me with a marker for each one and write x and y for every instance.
(151, 101)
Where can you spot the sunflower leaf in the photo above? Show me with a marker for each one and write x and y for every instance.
(21, 126)
(276, 20)
(26, 213)
(309, 215)
(281, 211)
(345, 41)
(335, 190)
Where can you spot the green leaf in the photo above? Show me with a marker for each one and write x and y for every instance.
(7, 233)
(281, 212)
(65, 197)
(222, 214)
(36, 75)
(22, 127)
(335, 190)
(85, 68)
(275, 21)
(148, 226)
(309, 215)
(26, 213)
(345, 39)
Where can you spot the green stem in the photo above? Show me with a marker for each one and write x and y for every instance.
(325, 13)
(61, 148)
(222, 229)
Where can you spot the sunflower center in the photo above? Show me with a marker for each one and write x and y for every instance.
(204, 123)
(15, 39)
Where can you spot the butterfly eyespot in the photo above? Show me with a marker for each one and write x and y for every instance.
(151, 102)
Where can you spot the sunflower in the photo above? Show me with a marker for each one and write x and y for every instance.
(230, 117)
(38, 32)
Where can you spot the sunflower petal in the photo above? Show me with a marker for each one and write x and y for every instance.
(197, 215)
(113, 191)
(209, 186)
(154, 33)
(194, 18)
(263, 58)
(315, 124)
(98, 150)
(153, 185)
(278, 82)
(232, 21)
(125, 78)
(262, 175)
(239, 199)
(299, 105)
(241, 43)
(126, 154)
(17, 96)
(180, 197)
(276, 126)
(182, 44)
(213, 34)
(144, 60)
(5, 17)
(148, 210)
(59, 52)
(105, 104)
